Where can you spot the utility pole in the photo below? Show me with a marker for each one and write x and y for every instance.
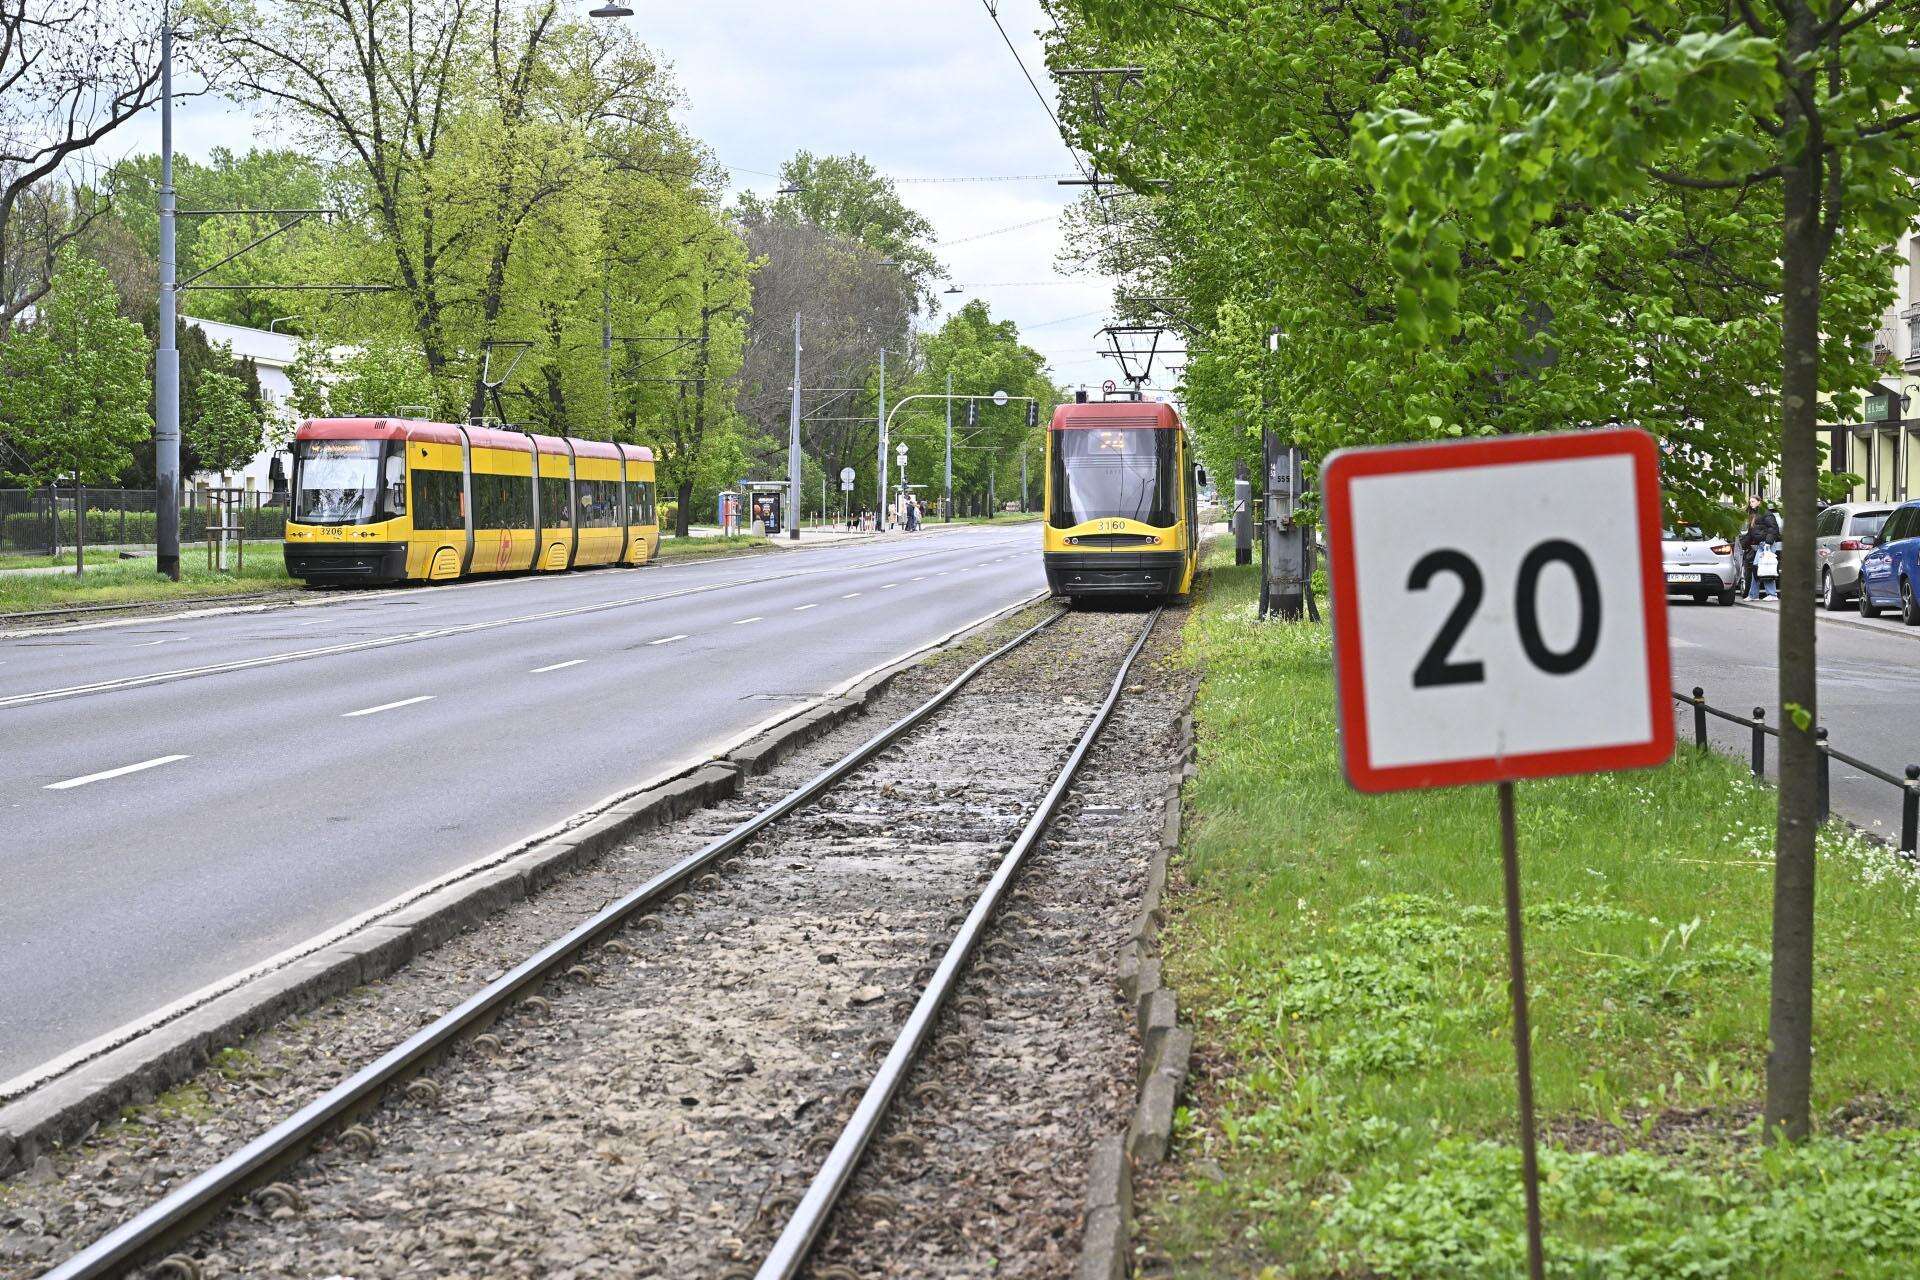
(949, 446)
(880, 472)
(793, 442)
(166, 359)
(1023, 477)
(606, 339)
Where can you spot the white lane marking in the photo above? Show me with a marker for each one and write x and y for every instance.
(104, 774)
(386, 706)
(741, 622)
(799, 608)
(943, 573)
(850, 595)
(890, 586)
(667, 639)
(921, 578)
(162, 640)
(557, 666)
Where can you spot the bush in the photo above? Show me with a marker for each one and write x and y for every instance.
(29, 530)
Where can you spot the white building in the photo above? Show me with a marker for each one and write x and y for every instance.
(1883, 444)
(272, 354)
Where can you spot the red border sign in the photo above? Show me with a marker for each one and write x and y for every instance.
(1337, 477)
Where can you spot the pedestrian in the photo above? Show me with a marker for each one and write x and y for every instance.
(913, 516)
(1763, 536)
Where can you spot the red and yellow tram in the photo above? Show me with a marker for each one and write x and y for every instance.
(1121, 502)
(391, 500)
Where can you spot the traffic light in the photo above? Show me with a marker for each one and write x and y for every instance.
(973, 414)
(1033, 414)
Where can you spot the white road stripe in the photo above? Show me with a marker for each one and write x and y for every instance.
(386, 706)
(741, 622)
(104, 774)
(850, 595)
(802, 607)
(667, 639)
(921, 578)
(890, 586)
(162, 640)
(556, 666)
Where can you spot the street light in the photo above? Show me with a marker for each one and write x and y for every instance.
(610, 10)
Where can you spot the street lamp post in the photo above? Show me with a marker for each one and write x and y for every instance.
(949, 499)
(880, 474)
(166, 360)
(793, 442)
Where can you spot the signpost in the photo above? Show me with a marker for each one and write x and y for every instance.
(846, 487)
(1499, 613)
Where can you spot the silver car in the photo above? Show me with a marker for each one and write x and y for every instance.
(1698, 564)
(1842, 536)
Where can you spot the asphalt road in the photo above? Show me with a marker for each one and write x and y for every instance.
(186, 798)
(1869, 693)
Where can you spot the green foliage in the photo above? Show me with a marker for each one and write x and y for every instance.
(384, 377)
(1345, 957)
(224, 428)
(73, 399)
(847, 196)
(1262, 211)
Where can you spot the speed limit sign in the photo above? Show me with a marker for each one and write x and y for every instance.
(1499, 609)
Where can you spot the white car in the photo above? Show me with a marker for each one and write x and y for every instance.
(1699, 565)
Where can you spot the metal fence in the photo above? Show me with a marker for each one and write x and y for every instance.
(41, 520)
(1909, 786)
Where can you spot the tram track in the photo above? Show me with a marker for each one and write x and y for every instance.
(882, 839)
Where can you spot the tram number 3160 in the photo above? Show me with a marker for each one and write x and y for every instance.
(1499, 608)
(1439, 667)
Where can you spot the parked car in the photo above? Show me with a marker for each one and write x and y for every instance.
(1698, 564)
(1890, 573)
(1842, 536)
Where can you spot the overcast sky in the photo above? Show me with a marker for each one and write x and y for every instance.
(923, 88)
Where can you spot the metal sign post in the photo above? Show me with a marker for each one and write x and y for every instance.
(1499, 613)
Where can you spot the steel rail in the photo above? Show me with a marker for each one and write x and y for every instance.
(183, 1210)
(790, 1251)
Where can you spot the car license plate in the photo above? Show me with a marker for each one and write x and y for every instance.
(1680, 577)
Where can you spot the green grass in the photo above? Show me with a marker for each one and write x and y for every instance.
(12, 560)
(1343, 957)
(130, 581)
(698, 548)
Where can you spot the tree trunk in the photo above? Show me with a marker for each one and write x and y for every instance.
(79, 527)
(684, 500)
(1790, 1012)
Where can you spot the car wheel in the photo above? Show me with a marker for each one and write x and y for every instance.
(1829, 594)
(1909, 607)
(1868, 609)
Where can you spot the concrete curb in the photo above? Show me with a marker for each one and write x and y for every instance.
(70, 1106)
(1166, 1049)
(1842, 619)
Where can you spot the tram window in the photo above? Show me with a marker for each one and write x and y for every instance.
(336, 481)
(556, 507)
(436, 500)
(643, 503)
(1103, 473)
(595, 500)
(502, 502)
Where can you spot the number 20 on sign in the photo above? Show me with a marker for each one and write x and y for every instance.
(1499, 613)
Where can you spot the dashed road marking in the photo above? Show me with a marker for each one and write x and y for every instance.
(801, 607)
(556, 666)
(890, 586)
(386, 706)
(741, 622)
(104, 774)
(667, 639)
(850, 595)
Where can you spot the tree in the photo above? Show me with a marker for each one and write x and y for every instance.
(71, 72)
(473, 139)
(383, 377)
(1251, 216)
(225, 429)
(1795, 100)
(73, 401)
(848, 198)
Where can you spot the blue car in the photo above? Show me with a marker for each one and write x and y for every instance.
(1890, 573)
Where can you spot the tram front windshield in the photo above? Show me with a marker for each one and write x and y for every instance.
(347, 481)
(1125, 473)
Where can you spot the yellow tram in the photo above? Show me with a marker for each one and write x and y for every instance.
(1121, 502)
(389, 500)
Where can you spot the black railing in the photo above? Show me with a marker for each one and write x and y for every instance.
(1909, 786)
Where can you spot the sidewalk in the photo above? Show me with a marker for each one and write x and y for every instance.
(1888, 623)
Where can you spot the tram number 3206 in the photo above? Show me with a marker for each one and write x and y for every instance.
(1440, 667)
